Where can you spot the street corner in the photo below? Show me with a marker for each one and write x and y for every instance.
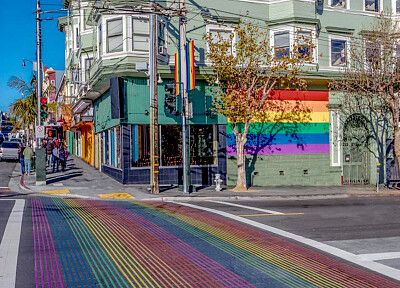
(121, 195)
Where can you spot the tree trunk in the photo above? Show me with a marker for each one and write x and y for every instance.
(396, 143)
(241, 184)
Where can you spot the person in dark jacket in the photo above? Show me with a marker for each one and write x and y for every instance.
(21, 159)
(49, 151)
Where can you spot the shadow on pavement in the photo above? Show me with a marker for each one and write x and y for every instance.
(64, 177)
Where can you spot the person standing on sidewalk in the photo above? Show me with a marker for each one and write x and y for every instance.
(21, 158)
(49, 151)
(28, 155)
(56, 155)
(62, 156)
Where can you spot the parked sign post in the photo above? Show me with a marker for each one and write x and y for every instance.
(39, 132)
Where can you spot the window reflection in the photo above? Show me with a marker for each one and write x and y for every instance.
(140, 145)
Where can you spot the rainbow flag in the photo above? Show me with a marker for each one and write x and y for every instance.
(191, 81)
(177, 72)
(189, 69)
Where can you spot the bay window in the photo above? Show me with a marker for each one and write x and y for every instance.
(114, 35)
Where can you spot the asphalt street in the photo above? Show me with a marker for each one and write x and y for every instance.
(6, 169)
(97, 243)
(69, 242)
(363, 226)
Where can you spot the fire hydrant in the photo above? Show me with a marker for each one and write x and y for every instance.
(218, 182)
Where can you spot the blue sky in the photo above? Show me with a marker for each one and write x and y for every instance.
(18, 41)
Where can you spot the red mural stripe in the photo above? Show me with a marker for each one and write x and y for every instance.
(309, 95)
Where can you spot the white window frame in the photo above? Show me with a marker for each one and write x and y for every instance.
(223, 29)
(272, 41)
(104, 21)
(335, 140)
(130, 31)
(293, 33)
(380, 7)
(84, 68)
(365, 43)
(347, 6)
(84, 28)
(394, 10)
(343, 38)
(100, 39)
(278, 31)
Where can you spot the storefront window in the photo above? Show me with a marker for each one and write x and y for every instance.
(140, 145)
(106, 148)
(112, 147)
(118, 144)
(171, 145)
(201, 145)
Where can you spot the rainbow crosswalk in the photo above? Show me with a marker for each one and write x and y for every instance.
(87, 243)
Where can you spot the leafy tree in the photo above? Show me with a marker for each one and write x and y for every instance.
(24, 109)
(246, 74)
(370, 82)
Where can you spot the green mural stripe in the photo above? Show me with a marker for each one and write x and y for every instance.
(282, 128)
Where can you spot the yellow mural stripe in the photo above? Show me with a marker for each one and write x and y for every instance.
(282, 214)
(116, 196)
(312, 117)
(65, 191)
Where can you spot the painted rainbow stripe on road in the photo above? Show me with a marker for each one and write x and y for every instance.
(86, 243)
(286, 136)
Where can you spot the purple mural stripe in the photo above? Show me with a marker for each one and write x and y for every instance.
(34, 217)
(51, 248)
(281, 149)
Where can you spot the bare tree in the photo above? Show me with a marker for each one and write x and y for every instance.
(370, 81)
(246, 72)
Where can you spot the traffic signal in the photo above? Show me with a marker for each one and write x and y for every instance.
(43, 108)
(52, 133)
(170, 98)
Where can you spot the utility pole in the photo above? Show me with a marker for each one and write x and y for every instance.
(40, 160)
(154, 151)
(185, 100)
(39, 64)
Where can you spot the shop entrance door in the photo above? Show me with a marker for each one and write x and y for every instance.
(355, 151)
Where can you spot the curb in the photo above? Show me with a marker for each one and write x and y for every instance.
(22, 184)
(257, 197)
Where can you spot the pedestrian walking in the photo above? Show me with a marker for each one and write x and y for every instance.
(49, 152)
(28, 155)
(21, 159)
(66, 154)
(62, 156)
(56, 155)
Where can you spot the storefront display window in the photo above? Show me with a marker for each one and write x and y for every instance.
(171, 145)
(106, 148)
(201, 145)
(118, 144)
(112, 147)
(140, 145)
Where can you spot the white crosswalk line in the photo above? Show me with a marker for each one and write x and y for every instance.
(10, 244)
(245, 207)
(380, 256)
(374, 266)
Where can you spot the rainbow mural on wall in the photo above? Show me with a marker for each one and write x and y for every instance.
(286, 137)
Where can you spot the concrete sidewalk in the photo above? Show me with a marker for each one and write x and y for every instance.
(83, 181)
